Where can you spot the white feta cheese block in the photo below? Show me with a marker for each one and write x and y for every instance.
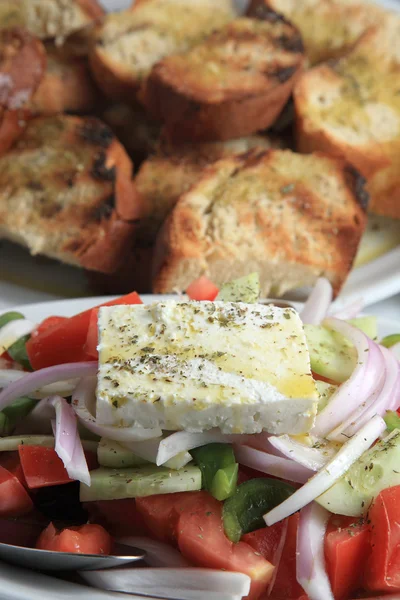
(242, 368)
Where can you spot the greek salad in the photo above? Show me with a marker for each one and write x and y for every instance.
(252, 451)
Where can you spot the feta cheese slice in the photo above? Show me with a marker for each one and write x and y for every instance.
(240, 367)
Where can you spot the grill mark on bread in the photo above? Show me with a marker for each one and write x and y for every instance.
(284, 74)
(97, 133)
(358, 183)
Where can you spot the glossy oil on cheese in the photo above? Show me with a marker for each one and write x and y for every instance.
(197, 365)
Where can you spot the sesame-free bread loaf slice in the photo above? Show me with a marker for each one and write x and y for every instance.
(66, 192)
(290, 217)
(50, 18)
(22, 68)
(233, 84)
(351, 108)
(329, 28)
(67, 84)
(129, 43)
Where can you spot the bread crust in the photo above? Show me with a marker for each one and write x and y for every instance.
(129, 43)
(210, 94)
(302, 218)
(69, 182)
(67, 85)
(351, 109)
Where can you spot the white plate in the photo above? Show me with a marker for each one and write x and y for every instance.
(16, 583)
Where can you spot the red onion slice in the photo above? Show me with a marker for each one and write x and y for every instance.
(386, 397)
(396, 350)
(317, 305)
(272, 465)
(33, 381)
(364, 380)
(310, 563)
(185, 584)
(182, 441)
(158, 554)
(311, 458)
(350, 311)
(333, 470)
(84, 397)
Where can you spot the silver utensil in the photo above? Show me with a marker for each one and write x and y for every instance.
(47, 560)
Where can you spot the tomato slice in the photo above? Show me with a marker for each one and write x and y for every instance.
(85, 539)
(42, 467)
(11, 462)
(202, 289)
(286, 586)
(265, 541)
(14, 499)
(119, 517)
(65, 342)
(201, 539)
(346, 550)
(382, 572)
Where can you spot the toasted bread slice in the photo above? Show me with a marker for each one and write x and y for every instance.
(129, 43)
(22, 67)
(66, 192)
(135, 130)
(233, 84)
(49, 18)
(329, 27)
(290, 217)
(67, 85)
(351, 109)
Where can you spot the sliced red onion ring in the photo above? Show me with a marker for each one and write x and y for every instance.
(182, 441)
(84, 397)
(311, 458)
(310, 563)
(276, 559)
(386, 396)
(13, 331)
(67, 441)
(396, 350)
(350, 311)
(333, 470)
(33, 381)
(61, 388)
(317, 305)
(272, 465)
(365, 379)
(158, 554)
(190, 583)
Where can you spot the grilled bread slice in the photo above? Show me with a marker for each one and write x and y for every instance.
(22, 67)
(290, 217)
(233, 84)
(66, 192)
(136, 131)
(67, 85)
(351, 109)
(159, 182)
(129, 43)
(49, 18)
(329, 28)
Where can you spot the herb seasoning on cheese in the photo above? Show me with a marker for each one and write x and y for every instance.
(240, 367)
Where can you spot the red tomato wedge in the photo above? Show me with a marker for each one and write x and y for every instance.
(64, 342)
(11, 462)
(346, 550)
(14, 499)
(265, 541)
(382, 572)
(42, 467)
(202, 289)
(85, 539)
(120, 517)
(286, 586)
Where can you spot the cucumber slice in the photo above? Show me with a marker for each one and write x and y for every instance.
(325, 391)
(377, 469)
(245, 289)
(10, 443)
(111, 454)
(331, 355)
(115, 484)
(369, 325)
